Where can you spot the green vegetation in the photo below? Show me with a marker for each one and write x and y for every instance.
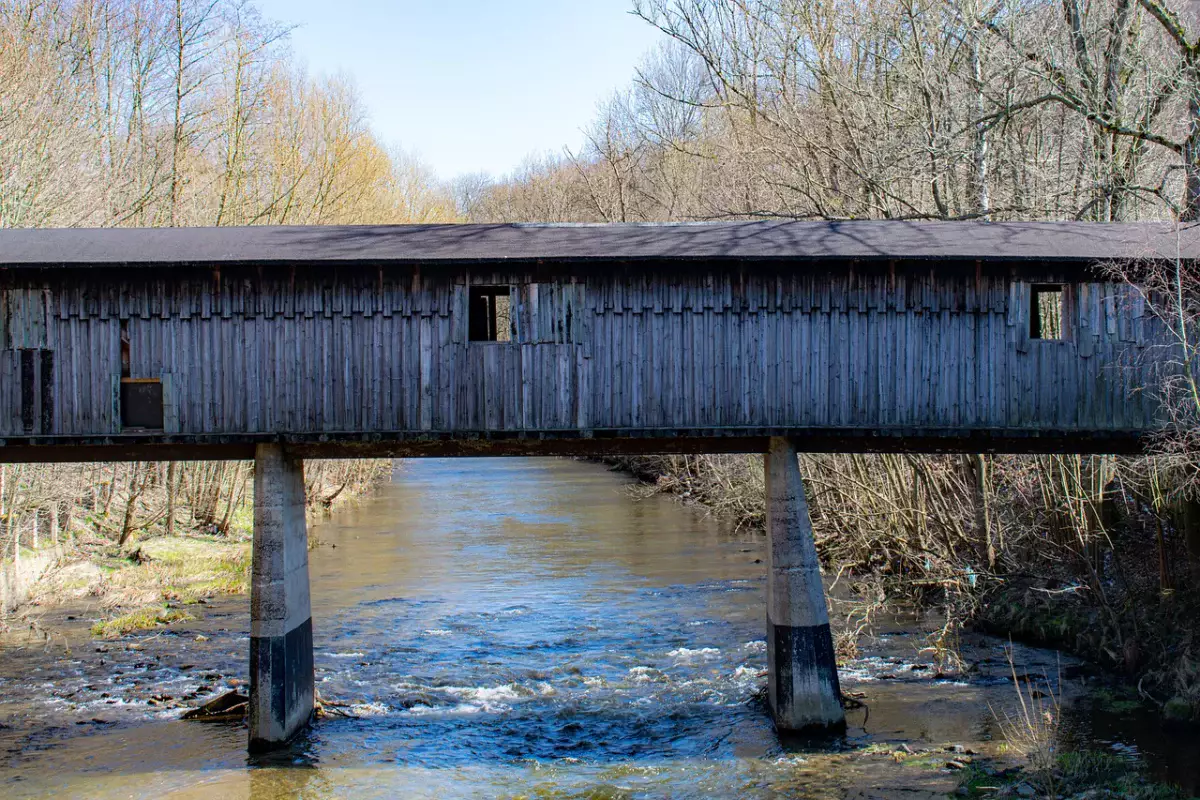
(1115, 699)
(1080, 774)
(140, 620)
(190, 569)
(979, 780)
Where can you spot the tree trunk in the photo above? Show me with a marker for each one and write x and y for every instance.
(982, 198)
(1189, 521)
(180, 44)
(1190, 210)
(170, 498)
(135, 491)
(978, 469)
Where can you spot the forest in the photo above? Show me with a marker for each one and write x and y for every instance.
(193, 112)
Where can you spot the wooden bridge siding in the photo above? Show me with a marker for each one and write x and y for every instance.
(701, 350)
(307, 361)
(86, 357)
(947, 361)
(316, 374)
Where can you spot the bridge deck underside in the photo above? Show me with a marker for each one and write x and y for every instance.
(604, 442)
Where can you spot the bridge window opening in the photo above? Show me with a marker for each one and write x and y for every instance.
(1046, 313)
(141, 398)
(142, 404)
(489, 314)
(125, 360)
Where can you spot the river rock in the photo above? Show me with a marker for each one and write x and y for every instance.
(230, 706)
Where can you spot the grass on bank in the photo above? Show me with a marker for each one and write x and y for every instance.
(143, 587)
(188, 569)
(140, 620)
(138, 584)
(1078, 774)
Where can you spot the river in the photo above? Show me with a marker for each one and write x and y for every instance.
(511, 628)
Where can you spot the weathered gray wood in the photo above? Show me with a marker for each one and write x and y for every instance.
(377, 352)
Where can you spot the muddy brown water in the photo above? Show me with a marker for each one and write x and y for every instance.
(517, 628)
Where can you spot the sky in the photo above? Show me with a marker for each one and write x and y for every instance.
(472, 85)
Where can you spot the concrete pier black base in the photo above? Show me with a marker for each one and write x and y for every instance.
(281, 649)
(802, 677)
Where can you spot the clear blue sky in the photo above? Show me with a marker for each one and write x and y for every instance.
(472, 85)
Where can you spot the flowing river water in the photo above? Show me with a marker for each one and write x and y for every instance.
(516, 628)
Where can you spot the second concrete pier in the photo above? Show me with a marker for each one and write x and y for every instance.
(802, 670)
(281, 639)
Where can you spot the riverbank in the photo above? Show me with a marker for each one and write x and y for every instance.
(168, 554)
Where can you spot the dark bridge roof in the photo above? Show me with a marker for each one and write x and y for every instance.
(1041, 241)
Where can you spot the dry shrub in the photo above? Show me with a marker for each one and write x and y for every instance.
(733, 486)
(1032, 730)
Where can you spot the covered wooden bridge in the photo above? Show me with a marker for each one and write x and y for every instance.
(531, 338)
(285, 343)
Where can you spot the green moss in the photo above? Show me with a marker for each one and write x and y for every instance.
(1120, 702)
(140, 620)
(931, 761)
(1179, 709)
(978, 781)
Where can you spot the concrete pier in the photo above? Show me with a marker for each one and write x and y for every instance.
(802, 670)
(281, 648)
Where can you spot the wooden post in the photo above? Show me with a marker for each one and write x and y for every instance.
(802, 669)
(281, 649)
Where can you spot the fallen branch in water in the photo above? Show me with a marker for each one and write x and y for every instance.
(229, 707)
